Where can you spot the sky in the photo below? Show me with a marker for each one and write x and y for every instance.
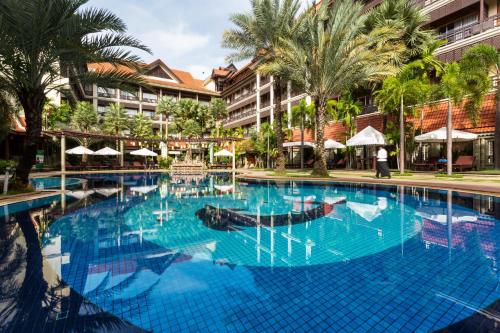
(185, 34)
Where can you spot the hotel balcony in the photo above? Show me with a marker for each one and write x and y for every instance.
(458, 40)
(239, 118)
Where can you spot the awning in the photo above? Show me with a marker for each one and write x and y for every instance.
(223, 153)
(107, 152)
(332, 144)
(80, 150)
(367, 137)
(298, 144)
(143, 152)
(440, 136)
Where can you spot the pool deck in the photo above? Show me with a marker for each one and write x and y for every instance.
(476, 183)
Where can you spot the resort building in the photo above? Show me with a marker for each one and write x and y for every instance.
(250, 97)
(461, 24)
(163, 81)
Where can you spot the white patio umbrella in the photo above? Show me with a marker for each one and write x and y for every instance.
(367, 137)
(440, 136)
(82, 194)
(174, 152)
(144, 189)
(332, 144)
(223, 153)
(224, 188)
(298, 144)
(80, 150)
(440, 215)
(143, 152)
(107, 192)
(106, 151)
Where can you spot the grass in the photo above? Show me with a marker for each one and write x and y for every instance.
(16, 191)
(404, 174)
(453, 175)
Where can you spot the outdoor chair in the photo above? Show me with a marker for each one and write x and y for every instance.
(309, 163)
(137, 165)
(341, 163)
(464, 163)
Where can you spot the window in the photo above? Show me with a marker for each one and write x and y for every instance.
(459, 29)
(131, 112)
(148, 113)
(128, 95)
(490, 151)
(102, 109)
(149, 97)
(106, 92)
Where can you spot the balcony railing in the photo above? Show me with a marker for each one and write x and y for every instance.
(234, 116)
(243, 96)
(106, 94)
(470, 30)
(150, 99)
(129, 97)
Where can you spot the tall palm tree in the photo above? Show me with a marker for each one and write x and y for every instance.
(487, 57)
(166, 107)
(345, 110)
(464, 85)
(257, 36)
(303, 117)
(407, 18)
(115, 119)
(409, 87)
(40, 40)
(331, 54)
(84, 119)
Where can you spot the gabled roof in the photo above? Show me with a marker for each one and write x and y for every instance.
(181, 80)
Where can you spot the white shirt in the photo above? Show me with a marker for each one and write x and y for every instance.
(382, 155)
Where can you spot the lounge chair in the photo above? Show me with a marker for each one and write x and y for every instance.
(309, 163)
(464, 163)
(341, 163)
(137, 165)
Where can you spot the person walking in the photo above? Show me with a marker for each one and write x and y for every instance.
(382, 167)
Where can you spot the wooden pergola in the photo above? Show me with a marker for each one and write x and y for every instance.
(63, 134)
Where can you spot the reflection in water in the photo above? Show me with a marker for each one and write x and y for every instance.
(141, 248)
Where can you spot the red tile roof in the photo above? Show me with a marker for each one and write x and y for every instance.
(434, 117)
(186, 80)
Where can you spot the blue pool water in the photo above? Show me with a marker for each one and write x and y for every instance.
(53, 182)
(215, 254)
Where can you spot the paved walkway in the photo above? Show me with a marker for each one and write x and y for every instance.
(488, 184)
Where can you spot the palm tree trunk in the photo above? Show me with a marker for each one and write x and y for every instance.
(497, 127)
(32, 103)
(302, 141)
(280, 157)
(402, 137)
(449, 140)
(319, 158)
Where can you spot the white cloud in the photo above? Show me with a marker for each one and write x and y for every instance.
(174, 43)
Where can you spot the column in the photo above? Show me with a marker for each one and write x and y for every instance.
(481, 14)
(140, 99)
(234, 156)
(258, 102)
(94, 96)
(271, 101)
(122, 151)
(289, 103)
(63, 153)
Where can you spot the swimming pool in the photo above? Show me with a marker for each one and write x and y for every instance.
(46, 183)
(215, 254)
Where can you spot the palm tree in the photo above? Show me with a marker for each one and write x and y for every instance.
(40, 40)
(345, 110)
(409, 86)
(84, 119)
(257, 36)
(487, 57)
(464, 85)
(115, 119)
(303, 116)
(141, 127)
(218, 111)
(331, 55)
(166, 107)
(407, 18)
